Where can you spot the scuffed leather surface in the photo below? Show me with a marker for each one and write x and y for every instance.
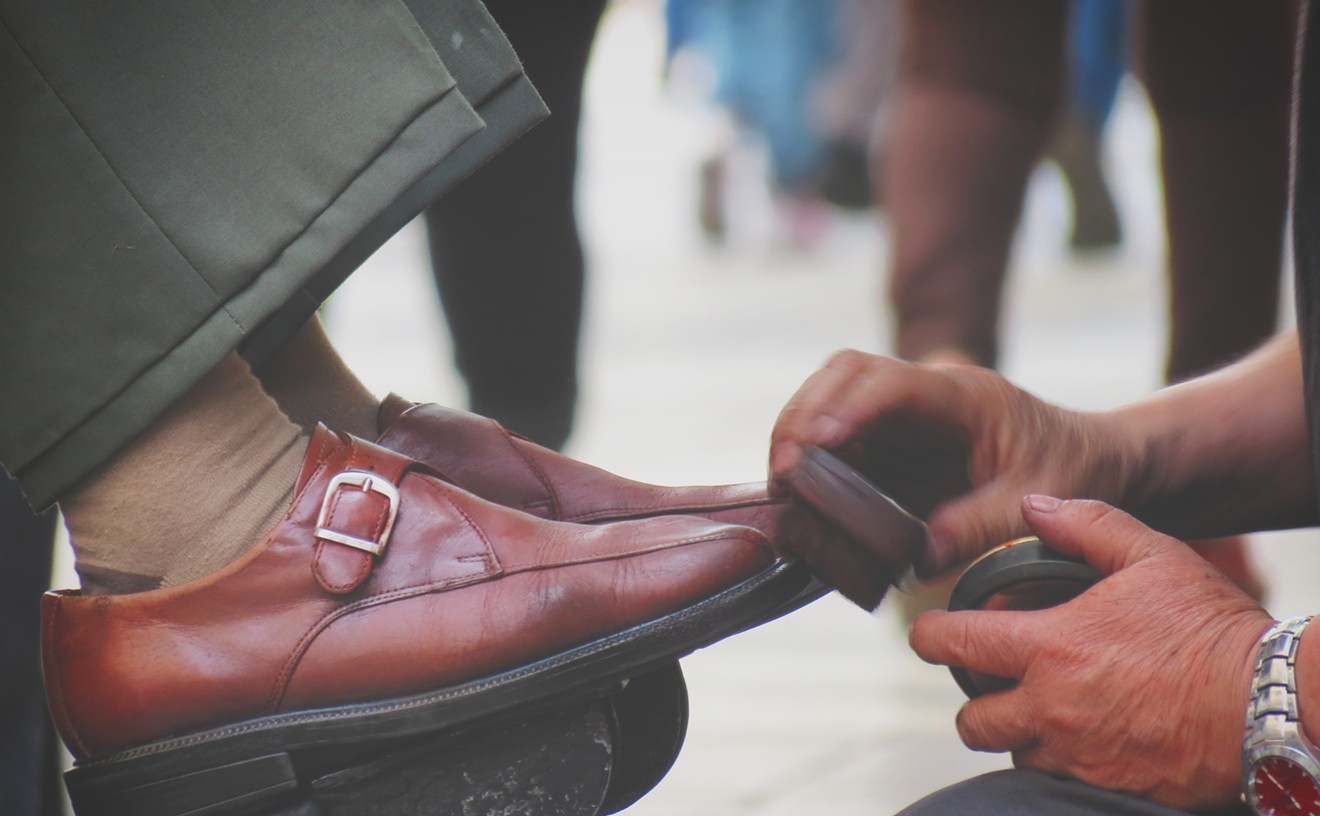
(465, 588)
(483, 457)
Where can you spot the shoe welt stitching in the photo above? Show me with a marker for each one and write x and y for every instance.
(747, 534)
(622, 513)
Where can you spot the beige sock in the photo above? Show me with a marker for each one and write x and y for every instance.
(196, 491)
(311, 384)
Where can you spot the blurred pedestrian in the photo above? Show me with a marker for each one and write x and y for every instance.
(980, 89)
(505, 247)
(854, 102)
(1097, 58)
(768, 58)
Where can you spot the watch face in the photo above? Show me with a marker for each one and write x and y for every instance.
(1284, 788)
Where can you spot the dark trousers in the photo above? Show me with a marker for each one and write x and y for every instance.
(1028, 793)
(29, 762)
(508, 259)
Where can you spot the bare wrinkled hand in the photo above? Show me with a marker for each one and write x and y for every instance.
(1140, 684)
(956, 445)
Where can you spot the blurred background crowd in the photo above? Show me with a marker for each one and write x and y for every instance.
(930, 117)
(1088, 195)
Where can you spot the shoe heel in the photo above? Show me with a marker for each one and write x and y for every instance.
(650, 719)
(238, 788)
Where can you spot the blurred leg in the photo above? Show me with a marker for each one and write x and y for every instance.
(508, 260)
(978, 88)
(1218, 75)
(1098, 48)
(796, 46)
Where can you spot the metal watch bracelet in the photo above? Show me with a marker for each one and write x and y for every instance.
(1276, 752)
(1272, 710)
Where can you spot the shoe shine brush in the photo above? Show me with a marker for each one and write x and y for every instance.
(1023, 574)
(893, 536)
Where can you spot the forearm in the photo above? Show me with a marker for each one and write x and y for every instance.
(1224, 453)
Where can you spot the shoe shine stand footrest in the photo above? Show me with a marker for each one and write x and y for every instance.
(584, 758)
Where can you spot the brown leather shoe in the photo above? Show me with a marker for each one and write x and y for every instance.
(486, 459)
(386, 603)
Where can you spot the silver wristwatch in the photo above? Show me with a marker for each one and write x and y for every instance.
(1280, 766)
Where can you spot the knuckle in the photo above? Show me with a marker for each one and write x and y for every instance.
(971, 728)
(789, 412)
(1117, 524)
(929, 636)
(1063, 722)
(782, 432)
(847, 359)
(1036, 758)
(960, 645)
(1098, 513)
(963, 640)
(908, 387)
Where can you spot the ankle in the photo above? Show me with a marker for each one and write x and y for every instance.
(312, 384)
(196, 491)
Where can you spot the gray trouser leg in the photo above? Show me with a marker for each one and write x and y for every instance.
(1030, 793)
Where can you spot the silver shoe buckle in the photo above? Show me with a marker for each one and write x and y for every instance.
(369, 483)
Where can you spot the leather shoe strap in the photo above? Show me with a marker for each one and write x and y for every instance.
(357, 516)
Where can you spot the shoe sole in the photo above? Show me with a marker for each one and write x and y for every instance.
(556, 763)
(594, 758)
(250, 766)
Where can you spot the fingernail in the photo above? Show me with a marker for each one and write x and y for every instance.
(1043, 504)
(827, 431)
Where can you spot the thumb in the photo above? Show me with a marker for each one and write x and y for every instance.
(964, 527)
(1104, 536)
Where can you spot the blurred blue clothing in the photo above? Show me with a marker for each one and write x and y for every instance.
(679, 16)
(768, 57)
(1098, 47)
